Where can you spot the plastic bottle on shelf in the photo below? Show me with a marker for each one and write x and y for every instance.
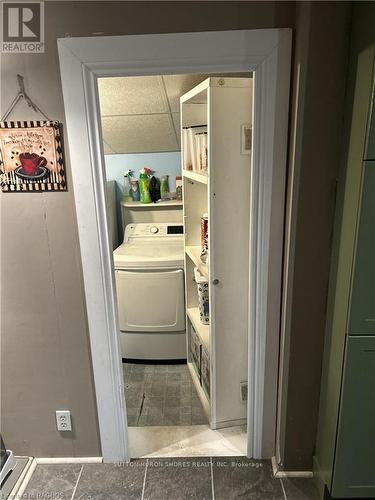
(164, 187)
(154, 188)
(179, 188)
(144, 187)
(127, 195)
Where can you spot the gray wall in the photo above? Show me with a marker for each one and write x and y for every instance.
(46, 356)
(321, 53)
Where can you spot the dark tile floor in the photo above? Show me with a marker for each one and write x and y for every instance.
(168, 479)
(161, 395)
(6, 488)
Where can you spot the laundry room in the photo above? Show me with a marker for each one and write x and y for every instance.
(177, 152)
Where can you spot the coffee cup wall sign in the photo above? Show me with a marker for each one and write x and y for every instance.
(31, 157)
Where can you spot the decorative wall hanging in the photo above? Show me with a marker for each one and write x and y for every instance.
(31, 152)
(31, 156)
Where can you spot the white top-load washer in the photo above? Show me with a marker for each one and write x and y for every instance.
(149, 271)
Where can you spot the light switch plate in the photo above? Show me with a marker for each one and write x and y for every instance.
(243, 389)
(246, 138)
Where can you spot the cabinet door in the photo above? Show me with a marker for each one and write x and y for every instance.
(370, 149)
(370, 152)
(354, 470)
(362, 309)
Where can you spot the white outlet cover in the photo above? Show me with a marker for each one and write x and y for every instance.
(63, 420)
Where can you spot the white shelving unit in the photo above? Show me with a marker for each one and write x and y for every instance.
(196, 176)
(217, 353)
(194, 255)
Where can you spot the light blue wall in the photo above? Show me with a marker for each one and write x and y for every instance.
(161, 163)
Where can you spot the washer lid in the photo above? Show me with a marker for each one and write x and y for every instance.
(136, 254)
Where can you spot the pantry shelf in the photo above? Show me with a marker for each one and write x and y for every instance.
(193, 252)
(215, 193)
(195, 176)
(202, 330)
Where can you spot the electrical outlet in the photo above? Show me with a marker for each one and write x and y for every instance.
(243, 389)
(63, 420)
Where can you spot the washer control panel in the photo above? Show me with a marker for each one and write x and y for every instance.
(144, 230)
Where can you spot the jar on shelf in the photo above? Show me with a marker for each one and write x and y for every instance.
(134, 190)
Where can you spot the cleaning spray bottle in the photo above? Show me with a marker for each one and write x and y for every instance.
(144, 185)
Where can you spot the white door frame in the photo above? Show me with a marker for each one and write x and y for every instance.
(267, 53)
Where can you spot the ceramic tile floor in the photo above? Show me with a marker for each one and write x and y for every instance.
(21, 464)
(167, 479)
(187, 441)
(159, 394)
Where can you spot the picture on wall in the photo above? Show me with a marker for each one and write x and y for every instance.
(31, 156)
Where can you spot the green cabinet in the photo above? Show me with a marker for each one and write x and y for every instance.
(362, 308)
(344, 461)
(354, 471)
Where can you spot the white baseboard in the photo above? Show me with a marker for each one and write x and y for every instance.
(69, 460)
(228, 423)
(288, 473)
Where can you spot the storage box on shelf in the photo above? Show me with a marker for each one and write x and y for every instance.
(198, 376)
(201, 329)
(220, 186)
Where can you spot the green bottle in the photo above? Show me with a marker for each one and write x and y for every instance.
(127, 196)
(164, 187)
(144, 182)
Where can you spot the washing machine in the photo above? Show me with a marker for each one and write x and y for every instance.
(149, 272)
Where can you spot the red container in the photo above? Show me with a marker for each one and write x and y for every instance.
(204, 229)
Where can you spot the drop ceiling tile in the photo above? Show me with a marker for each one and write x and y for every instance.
(131, 95)
(177, 85)
(107, 149)
(176, 123)
(139, 134)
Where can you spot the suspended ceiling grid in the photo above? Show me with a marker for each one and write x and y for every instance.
(140, 114)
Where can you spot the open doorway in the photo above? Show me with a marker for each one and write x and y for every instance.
(264, 53)
(178, 163)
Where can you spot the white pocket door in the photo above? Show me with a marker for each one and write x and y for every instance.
(151, 301)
